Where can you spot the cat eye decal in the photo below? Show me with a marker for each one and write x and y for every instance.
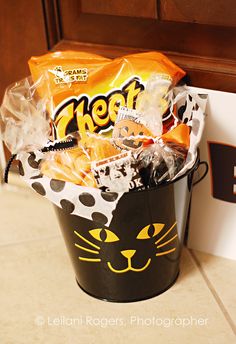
(150, 231)
(104, 234)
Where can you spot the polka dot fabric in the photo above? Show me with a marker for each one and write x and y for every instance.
(91, 203)
(191, 110)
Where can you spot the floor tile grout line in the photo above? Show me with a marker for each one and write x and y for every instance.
(213, 292)
(56, 236)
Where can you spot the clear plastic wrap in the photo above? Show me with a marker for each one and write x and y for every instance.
(75, 165)
(153, 102)
(160, 162)
(24, 122)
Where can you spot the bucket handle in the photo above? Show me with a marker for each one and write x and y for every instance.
(205, 172)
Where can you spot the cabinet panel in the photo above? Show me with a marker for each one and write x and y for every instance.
(200, 35)
(180, 37)
(22, 34)
(220, 12)
(131, 8)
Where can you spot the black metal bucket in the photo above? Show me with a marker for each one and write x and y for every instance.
(137, 256)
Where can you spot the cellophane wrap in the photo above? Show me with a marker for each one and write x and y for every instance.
(24, 123)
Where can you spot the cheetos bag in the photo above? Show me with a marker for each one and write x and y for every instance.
(84, 91)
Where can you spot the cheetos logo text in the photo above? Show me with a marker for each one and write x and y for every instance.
(97, 114)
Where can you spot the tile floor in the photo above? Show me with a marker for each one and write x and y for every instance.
(41, 303)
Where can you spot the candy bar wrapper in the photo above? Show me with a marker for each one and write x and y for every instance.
(117, 173)
(129, 129)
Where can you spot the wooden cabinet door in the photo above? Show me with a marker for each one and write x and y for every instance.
(199, 35)
(22, 34)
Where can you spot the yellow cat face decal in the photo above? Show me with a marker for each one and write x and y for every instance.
(92, 249)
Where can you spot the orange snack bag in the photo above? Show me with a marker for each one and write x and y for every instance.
(84, 91)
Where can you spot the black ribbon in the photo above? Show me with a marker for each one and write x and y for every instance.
(57, 146)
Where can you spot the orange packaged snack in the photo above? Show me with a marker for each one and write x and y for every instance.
(84, 91)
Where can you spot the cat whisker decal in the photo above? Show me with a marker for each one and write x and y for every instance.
(166, 252)
(87, 249)
(168, 241)
(166, 233)
(87, 241)
(91, 260)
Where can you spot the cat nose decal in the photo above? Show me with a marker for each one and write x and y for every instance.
(128, 253)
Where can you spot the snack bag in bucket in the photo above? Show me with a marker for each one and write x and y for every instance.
(84, 92)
